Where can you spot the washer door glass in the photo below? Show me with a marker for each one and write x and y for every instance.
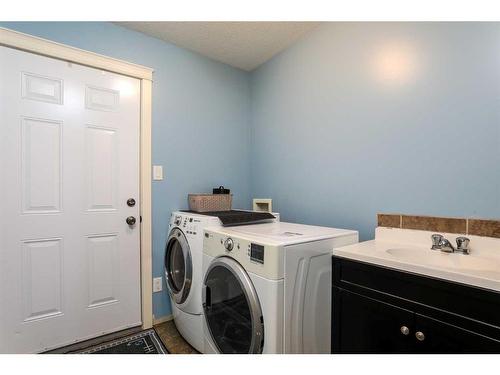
(177, 271)
(178, 266)
(231, 308)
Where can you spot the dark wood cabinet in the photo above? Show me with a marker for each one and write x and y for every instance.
(381, 310)
(368, 324)
(440, 337)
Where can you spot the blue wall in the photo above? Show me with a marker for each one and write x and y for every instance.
(360, 118)
(200, 119)
(354, 119)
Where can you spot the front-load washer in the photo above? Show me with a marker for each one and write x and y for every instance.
(183, 265)
(267, 288)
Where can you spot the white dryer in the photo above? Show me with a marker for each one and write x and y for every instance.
(267, 287)
(183, 275)
(183, 266)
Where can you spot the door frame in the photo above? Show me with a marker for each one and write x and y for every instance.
(40, 46)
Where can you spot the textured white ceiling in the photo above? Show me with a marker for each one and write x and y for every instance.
(244, 45)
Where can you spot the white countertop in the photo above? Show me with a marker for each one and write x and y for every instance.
(409, 250)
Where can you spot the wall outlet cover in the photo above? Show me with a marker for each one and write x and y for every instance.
(157, 284)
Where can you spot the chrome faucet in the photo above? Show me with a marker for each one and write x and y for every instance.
(441, 243)
(463, 245)
(446, 246)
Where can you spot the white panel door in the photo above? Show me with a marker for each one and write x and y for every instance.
(69, 161)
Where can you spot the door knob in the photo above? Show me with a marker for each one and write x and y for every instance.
(131, 202)
(405, 330)
(130, 220)
(420, 336)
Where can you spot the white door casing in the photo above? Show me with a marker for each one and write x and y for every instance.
(70, 265)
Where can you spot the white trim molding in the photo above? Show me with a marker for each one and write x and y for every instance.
(26, 42)
(146, 216)
(40, 46)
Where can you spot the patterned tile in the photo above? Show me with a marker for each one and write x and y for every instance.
(389, 220)
(434, 224)
(487, 228)
(172, 339)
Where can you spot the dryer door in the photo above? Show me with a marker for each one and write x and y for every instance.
(178, 266)
(231, 308)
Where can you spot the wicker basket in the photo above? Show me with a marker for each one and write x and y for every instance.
(210, 202)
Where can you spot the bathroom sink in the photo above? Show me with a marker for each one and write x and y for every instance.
(450, 261)
(410, 251)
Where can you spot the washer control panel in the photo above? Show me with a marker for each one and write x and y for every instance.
(255, 256)
(257, 253)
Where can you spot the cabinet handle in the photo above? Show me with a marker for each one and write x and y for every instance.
(405, 330)
(420, 336)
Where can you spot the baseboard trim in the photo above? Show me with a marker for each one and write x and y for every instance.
(163, 319)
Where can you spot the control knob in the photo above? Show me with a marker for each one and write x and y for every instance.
(229, 244)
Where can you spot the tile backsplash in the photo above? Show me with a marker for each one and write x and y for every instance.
(487, 228)
(478, 227)
(438, 224)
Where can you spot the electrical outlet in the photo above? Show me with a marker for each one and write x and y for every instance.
(157, 284)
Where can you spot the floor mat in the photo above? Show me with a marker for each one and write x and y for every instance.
(145, 342)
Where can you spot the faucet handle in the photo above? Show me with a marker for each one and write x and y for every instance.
(436, 241)
(463, 245)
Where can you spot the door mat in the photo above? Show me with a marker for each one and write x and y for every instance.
(145, 342)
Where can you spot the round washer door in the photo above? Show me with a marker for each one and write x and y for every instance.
(231, 308)
(178, 266)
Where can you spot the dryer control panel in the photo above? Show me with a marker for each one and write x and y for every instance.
(178, 220)
(188, 224)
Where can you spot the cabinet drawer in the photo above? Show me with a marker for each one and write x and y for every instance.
(476, 305)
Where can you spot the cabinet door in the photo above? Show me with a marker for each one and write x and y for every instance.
(439, 337)
(365, 325)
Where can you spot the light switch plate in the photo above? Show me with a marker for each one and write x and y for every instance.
(157, 172)
(157, 284)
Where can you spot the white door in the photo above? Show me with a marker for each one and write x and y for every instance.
(69, 154)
